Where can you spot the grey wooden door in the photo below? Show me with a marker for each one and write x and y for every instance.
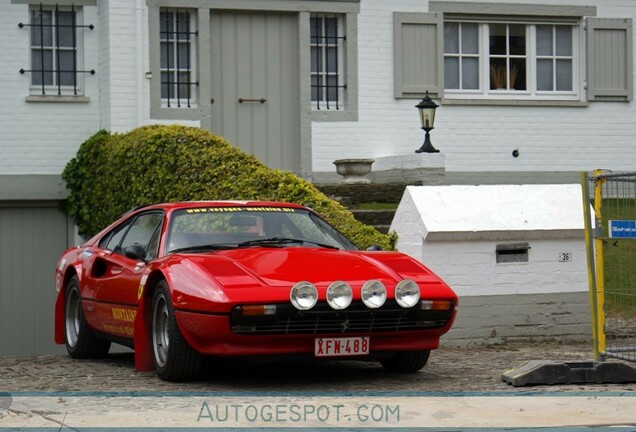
(255, 84)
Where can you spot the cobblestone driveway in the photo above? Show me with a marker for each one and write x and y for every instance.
(450, 369)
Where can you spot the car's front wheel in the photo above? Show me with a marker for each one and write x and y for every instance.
(406, 361)
(174, 359)
(81, 341)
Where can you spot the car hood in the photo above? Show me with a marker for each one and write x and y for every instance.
(286, 266)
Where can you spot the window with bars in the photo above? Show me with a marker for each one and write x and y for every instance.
(55, 50)
(177, 35)
(327, 43)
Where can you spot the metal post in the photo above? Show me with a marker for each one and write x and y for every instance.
(591, 276)
(427, 146)
(600, 276)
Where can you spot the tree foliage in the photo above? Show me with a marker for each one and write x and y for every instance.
(113, 173)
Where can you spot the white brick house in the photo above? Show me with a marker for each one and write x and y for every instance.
(301, 83)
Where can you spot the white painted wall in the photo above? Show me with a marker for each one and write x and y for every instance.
(118, 93)
(475, 138)
(126, 84)
(469, 222)
(41, 137)
(470, 267)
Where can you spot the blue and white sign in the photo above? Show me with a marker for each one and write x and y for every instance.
(622, 229)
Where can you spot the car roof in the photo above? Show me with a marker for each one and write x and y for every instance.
(218, 203)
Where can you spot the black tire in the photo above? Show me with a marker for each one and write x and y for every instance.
(174, 359)
(406, 361)
(81, 341)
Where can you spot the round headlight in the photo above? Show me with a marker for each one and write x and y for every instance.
(339, 295)
(407, 293)
(373, 294)
(303, 295)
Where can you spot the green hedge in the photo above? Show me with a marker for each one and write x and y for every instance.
(113, 173)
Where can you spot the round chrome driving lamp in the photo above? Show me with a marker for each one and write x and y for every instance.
(373, 294)
(407, 293)
(303, 295)
(339, 295)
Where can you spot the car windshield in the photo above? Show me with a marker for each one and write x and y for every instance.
(218, 228)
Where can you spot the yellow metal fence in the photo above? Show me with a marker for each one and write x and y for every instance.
(611, 245)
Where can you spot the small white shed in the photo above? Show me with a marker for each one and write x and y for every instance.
(515, 255)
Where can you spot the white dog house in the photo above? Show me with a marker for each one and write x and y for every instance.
(515, 255)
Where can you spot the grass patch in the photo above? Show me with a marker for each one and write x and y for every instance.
(376, 206)
(619, 260)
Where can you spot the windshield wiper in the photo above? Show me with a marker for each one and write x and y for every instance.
(201, 248)
(279, 241)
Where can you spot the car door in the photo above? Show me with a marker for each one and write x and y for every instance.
(117, 282)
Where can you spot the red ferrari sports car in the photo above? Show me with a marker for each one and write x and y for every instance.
(181, 281)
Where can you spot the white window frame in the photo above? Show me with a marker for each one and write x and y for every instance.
(508, 58)
(531, 93)
(324, 104)
(180, 102)
(52, 89)
(460, 55)
(576, 72)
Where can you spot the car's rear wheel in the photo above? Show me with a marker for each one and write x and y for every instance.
(81, 341)
(406, 361)
(174, 359)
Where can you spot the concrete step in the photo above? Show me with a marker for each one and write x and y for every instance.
(364, 193)
(378, 219)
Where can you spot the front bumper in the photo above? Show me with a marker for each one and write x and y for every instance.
(225, 335)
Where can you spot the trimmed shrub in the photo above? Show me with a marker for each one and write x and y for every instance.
(113, 173)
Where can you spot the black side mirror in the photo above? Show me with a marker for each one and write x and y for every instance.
(374, 247)
(136, 252)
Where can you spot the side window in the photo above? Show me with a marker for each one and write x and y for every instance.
(142, 230)
(153, 246)
(112, 239)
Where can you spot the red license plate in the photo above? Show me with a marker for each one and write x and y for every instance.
(339, 347)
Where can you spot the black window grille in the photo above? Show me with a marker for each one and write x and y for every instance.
(177, 35)
(54, 49)
(327, 39)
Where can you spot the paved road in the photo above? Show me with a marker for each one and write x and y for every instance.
(450, 369)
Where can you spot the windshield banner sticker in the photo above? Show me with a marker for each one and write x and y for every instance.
(240, 209)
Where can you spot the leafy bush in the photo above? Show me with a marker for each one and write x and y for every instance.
(113, 173)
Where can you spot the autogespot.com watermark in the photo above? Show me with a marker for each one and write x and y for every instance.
(308, 413)
(97, 412)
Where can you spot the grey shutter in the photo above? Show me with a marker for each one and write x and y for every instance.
(609, 59)
(419, 51)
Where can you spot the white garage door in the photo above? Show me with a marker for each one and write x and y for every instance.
(32, 237)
